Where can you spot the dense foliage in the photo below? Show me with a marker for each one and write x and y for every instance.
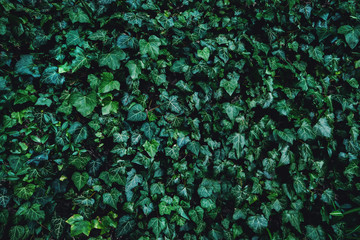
(144, 119)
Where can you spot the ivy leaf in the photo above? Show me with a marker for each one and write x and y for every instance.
(125, 226)
(26, 66)
(106, 86)
(305, 131)
(99, 35)
(58, 225)
(257, 223)
(125, 41)
(151, 47)
(24, 192)
(157, 225)
(238, 141)
(136, 113)
(112, 198)
(232, 111)
(81, 59)
(79, 161)
(315, 233)
(287, 135)
(151, 147)
(204, 53)
(293, 217)
(229, 86)
(299, 184)
(73, 38)
(50, 76)
(79, 225)
(134, 69)
(85, 104)
(172, 152)
(78, 131)
(197, 214)
(4, 198)
(322, 128)
(194, 147)
(80, 179)
(112, 59)
(31, 212)
(132, 181)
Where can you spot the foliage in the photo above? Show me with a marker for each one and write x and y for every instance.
(210, 119)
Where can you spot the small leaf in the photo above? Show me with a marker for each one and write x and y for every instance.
(151, 47)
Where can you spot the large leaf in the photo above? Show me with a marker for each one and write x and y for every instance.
(51, 76)
(157, 225)
(112, 198)
(136, 113)
(257, 223)
(85, 104)
(112, 59)
(322, 128)
(150, 47)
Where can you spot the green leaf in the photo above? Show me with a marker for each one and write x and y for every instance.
(134, 69)
(204, 53)
(125, 41)
(299, 184)
(18, 232)
(232, 111)
(31, 212)
(121, 137)
(81, 59)
(4, 198)
(99, 35)
(26, 66)
(172, 152)
(136, 113)
(315, 233)
(305, 132)
(79, 161)
(79, 225)
(287, 135)
(257, 223)
(197, 214)
(73, 38)
(112, 59)
(229, 86)
(112, 198)
(157, 188)
(352, 38)
(322, 128)
(157, 225)
(109, 86)
(151, 47)
(58, 225)
(293, 217)
(80, 179)
(328, 196)
(24, 192)
(132, 181)
(78, 131)
(51, 76)
(85, 104)
(125, 226)
(238, 141)
(193, 147)
(165, 209)
(151, 147)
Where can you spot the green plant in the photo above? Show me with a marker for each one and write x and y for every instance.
(212, 119)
